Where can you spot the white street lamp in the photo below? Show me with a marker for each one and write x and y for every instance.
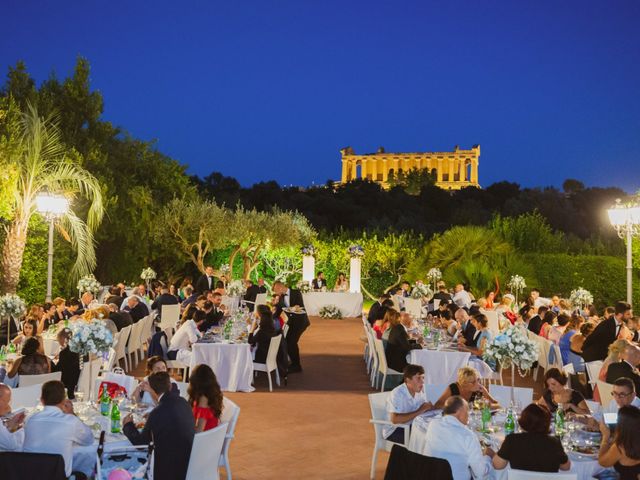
(51, 207)
(625, 218)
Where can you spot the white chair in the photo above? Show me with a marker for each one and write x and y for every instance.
(183, 386)
(413, 306)
(593, 371)
(230, 414)
(379, 418)
(133, 345)
(557, 361)
(110, 361)
(434, 392)
(28, 380)
(205, 454)
(88, 376)
(261, 299)
(544, 346)
(382, 363)
(604, 389)
(526, 475)
(373, 372)
(26, 397)
(121, 344)
(271, 363)
(569, 370)
(177, 365)
(522, 395)
(169, 316)
(493, 323)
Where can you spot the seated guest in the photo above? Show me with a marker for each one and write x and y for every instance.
(468, 387)
(442, 294)
(575, 346)
(461, 297)
(193, 307)
(557, 330)
(171, 427)
(48, 318)
(205, 398)
(190, 296)
(204, 318)
(633, 325)
(489, 298)
(219, 310)
(383, 326)
(120, 319)
(87, 301)
(532, 449)
(114, 295)
(627, 366)
(623, 393)
(535, 319)
(549, 319)
(466, 329)
(319, 282)
(449, 437)
(73, 309)
(101, 313)
(143, 392)
(61, 312)
(29, 329)
(623, 453)
(220, 288)
(399, 344)
(505, 308)
(373, 313)
(482, 338)
(137, 309)
(180, 345)
(342, 285)
(32, 361)
(607, 331)
(405, 290)
(56, 429)
(165, 298)
(261, 333)
(573, 327)
(68, 363)
(406, 402)
(11, 431)
(557, 393)
(251, 292)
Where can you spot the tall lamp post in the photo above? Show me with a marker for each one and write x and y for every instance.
(51, 207)
(625, 218)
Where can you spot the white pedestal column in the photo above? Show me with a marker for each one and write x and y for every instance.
(308, 268)
(354, 275)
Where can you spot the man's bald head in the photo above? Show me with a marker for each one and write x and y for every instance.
(5, 399)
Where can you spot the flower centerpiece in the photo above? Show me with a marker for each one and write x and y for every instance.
(330, 311)
(512, 349)
(433, 275)
(236, 288)
(581, 298)
(88, 284)
(147, 275)
(308, 251)
(517, 285)
(356, 251)
(304, 286)
(225, 269)
(421, 290)
(11, 306)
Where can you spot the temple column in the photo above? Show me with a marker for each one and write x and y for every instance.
(354, 170)
(373, 169)
(452, 169)
(364, 168)
(396, 165)
(385, 170)
(462, 170)
(345, 171)
(474, 171)
(439, 170)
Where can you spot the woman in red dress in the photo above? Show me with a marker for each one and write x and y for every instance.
(205, 397)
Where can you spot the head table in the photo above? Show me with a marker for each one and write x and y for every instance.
(350, 304)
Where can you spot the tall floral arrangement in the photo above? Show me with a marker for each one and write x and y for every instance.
(512, 347)
(11, 306)
(304, 286)
(236, 288)
(90, 337)
(148, 274)
(88, 284)
(433, 276)
(356, 251)
(517, 285)
(581, 298)
(421, 290)
(308, 251)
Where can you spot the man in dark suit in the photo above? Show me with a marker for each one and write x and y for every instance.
(136, 309)
(165, 298)
(535, 319)
(298, 322)
(114, 295)
(626, 367)
(375, 309)
(467, 329)
(319, 282)
(121, 319)
(442, 294)
(171, 426)
(251, 293)
(597, 344)
(405, 288)
(399, 344)
(206, 281)
(262, 288)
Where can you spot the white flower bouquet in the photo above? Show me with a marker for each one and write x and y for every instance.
(581, 298)
(225, 269)
(11, 305)
(90, 337)
(421, 290)
(308, 251)
(148, 274)
(236, 288)
(512, 347)
(433, 275)
(356, 251)
(330, 311)
(88, 284)
(516, 283)
(304, 286)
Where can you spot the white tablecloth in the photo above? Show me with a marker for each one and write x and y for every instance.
(51, 345)
(350, 304)
(232, 364)
(440, 367)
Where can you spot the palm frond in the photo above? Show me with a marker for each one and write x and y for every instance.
(82, 242)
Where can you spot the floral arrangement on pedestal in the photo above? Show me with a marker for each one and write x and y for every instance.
(308, 251)
(581, 298)
(90, 337)
(88, 284)
(421, 290)
(225, 269)
(304, 286)
(236, 288)
(330, 311)
(516, 284)
(356, 251)
(11, 306)
(433, 276)
(148, 274)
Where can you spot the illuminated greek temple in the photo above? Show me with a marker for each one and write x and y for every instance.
(453, 170)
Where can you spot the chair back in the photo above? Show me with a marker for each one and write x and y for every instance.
(134, 338)
(272, 354)
(593, 370)
(24, 465)
(261, 299)
(183, 386)
(493, 323)
(604, 389)
(123, 338)
(413, 306)
(205, 454)
(526, 475)
(434, 392)
(26, 397)
(88, 376)
(169, 316)
(230, 414)
(403, 463)
(382, 358)
(555, 356)
(436, 304)
(378, 406)
(111, 360)
(145, 330)
(522, 395)
(28, 380)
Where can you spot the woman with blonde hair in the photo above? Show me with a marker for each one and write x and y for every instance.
(468, 386)
(616, 349)
(382, 327)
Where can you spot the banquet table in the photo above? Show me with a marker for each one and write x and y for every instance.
(231, 362)
(440, 366)
(350, 304)
(584, 466)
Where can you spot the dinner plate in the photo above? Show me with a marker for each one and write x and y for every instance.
(299, 311)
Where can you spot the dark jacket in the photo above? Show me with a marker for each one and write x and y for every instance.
(138, 312)
(203, 284)
(535, 324)
(596, 345)
(121, 319)
(212, 319)
(262, 339)
(251, 294)
(468, 332)
(372, 316)
(295, 319)
(173, 427)
(398, 346)
(69, 365)
(164, 299)
(117, 299)
(623, 369)
(318, 283)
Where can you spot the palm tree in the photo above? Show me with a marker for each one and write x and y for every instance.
(42, 165)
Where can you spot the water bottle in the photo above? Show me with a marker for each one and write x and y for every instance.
(12, 348)
(509, 423)
(105, 401)
(558, 421)
(486, 416)
(115, 418)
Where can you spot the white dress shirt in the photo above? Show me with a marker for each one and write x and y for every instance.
(401, 401)
(10, 442)
(462, 299)
(448, 438)
(186, 335)
(53, 431)
(613, 406)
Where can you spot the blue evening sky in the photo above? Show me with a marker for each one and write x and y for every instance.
(265, 89)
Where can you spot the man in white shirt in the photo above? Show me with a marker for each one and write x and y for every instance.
(180, 345)
(539, 301)
(461, 297)
(624, 394)
(56, 429)
(406, 402)
(450, 438)
(11, 431)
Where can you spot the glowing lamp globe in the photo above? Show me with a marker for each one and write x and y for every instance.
(52, 205)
